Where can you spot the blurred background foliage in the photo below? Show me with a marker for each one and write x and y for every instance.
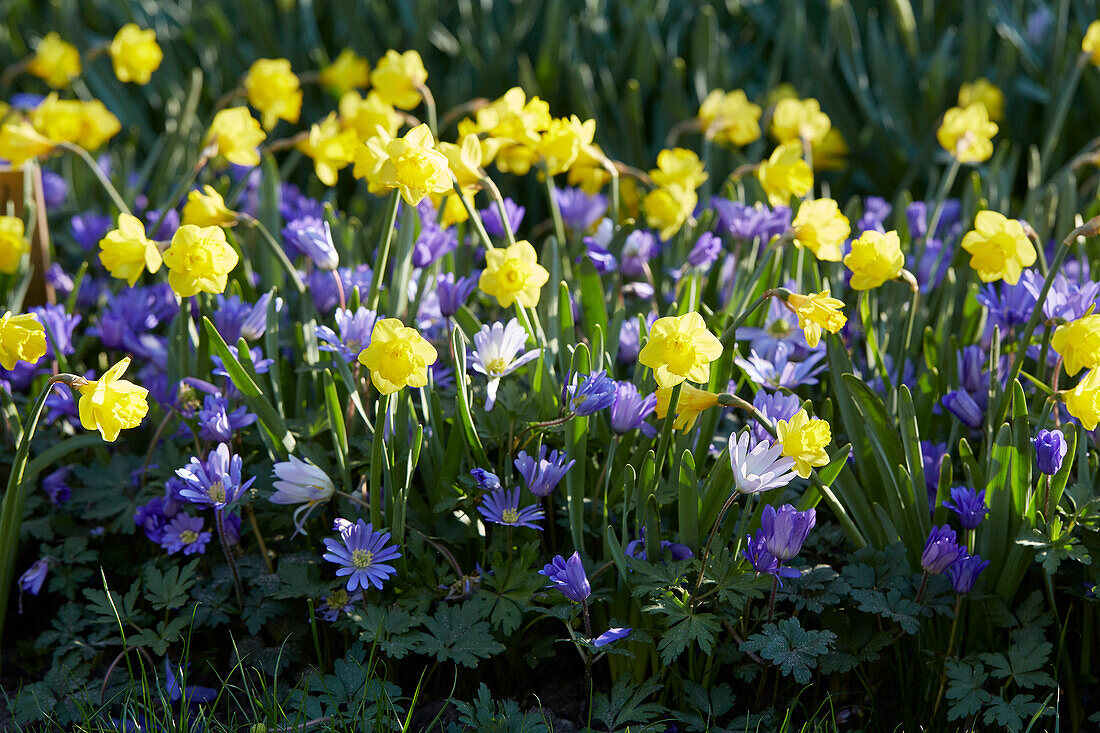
(883, 71)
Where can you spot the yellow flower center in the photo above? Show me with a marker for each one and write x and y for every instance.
(414, 168)
(216, 492)
(338, 599)
(496, 366)
(188, 536)
(361, 559)
(680, 353)
(510, 516)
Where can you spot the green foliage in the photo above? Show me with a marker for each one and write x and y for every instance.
(790, 647)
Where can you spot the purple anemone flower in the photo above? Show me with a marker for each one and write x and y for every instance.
(502, 507)
(362, 554)
(569, 577)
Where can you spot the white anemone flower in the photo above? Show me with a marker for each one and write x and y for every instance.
(495, 354)
(762, 468)
(301, 483)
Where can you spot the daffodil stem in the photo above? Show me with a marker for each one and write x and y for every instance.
(183, 184)
(219, 524)
(666, 436)
(914, 287)
(730, 334)
(382, 255)
(112, 192)
(471, 212)
(555, 210)
(1089, 229)
(941, 197)
(11, 510)
(377, 447)
(494, 192)
(277, 250)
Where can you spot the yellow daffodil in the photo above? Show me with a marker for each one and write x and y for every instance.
(22, 338)
(668, 207)
(678, 167)
(689, 404)
(829, 154)
(126, 252)
(274, 90)
(510, 128)
(589, 171)
(330, 147)
(398, 356)
(199, 260)
(464, 160)
(55, 61)
(874, 259)
(563, 141)
(370, 156)
(998, 247)
(366, 114)
(206, 208)
(983, 91)
(804, 440)
(111, 404)
(1090, 44)
(20, 142)
(1083, 401)
(513, 275)
(821, 228)
(414, 166)
(58, 119)
(348, 71)
(398, 77)
(13, 244)
(680, 348)
(237, 134)
(100, 125)
(135, 54)
(785, 174)
(967, 133)
(1078, 343)
(815, 312)
(795, 120)
(730, 118)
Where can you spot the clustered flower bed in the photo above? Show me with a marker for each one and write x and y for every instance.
(376, 445)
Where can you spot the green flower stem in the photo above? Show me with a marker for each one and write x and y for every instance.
(377, 447)
(471, 212)
(950, 646)
(11, 510)
(183, 185)
(219, 523)
(730, 334)
(666, 436)
(259, 537)
(555, 210)
(382, 255)
(941, 198)
(116, 198)
(1089, 229)
(494, 192)
(914, 287)
(277, 250)
(429, 105)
